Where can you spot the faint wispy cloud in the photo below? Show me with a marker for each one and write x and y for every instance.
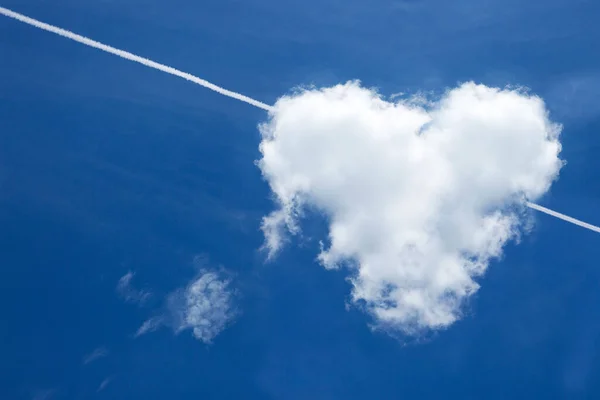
(576, 97)
(129, 293)
(150, 325)
(45, 394)
(204, 306)
(100, 352)
(104, 384)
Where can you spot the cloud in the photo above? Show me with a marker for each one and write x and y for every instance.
(95, 355)
(104, 384)
(419, 195)
(205, 307)
(45, 394)
(129, 293)
(150, 325)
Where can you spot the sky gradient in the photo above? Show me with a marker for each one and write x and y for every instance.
(111, 171)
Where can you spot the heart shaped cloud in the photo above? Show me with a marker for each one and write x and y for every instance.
(419, 197)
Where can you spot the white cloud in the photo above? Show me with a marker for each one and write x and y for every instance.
(150, 325)
(419, 196)
(129, 293)
(95, 355)
(104, 384)
(205, 307)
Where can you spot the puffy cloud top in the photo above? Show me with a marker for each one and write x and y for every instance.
(419, 196)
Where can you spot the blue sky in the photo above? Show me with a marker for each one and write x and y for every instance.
(108, 167)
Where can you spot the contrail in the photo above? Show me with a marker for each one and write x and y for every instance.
(563, 217)
(170, 70)
(132, 57)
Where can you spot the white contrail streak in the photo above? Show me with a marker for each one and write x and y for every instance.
(170, 70)
(132, 57)
(563, 217)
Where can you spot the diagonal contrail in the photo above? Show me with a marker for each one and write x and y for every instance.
(563, 217)
(132, 57)
(170, 70)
